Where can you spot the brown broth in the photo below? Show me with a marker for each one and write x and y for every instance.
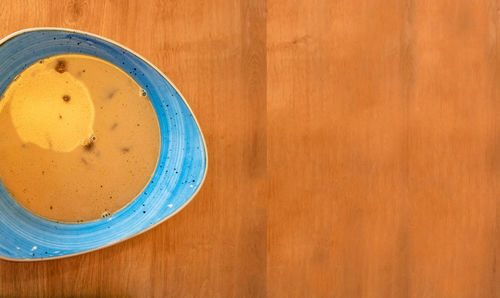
(79, 138)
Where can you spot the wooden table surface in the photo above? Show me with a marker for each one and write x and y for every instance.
(354, 149)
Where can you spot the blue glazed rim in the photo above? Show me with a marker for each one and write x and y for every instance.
(179, 175)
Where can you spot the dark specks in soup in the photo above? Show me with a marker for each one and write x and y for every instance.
(79, 138)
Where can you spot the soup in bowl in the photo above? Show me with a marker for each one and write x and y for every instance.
(96, 145)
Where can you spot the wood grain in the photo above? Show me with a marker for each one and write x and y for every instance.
(215, 54)
(354, 149)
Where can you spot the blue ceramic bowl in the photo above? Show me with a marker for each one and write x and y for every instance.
(179, 174)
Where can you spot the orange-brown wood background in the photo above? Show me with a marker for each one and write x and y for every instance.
(354, 149)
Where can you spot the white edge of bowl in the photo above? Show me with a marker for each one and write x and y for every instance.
(10, 36)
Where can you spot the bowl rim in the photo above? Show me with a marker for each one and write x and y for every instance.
(19, 32)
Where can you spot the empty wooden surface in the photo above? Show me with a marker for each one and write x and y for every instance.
(354, 149)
